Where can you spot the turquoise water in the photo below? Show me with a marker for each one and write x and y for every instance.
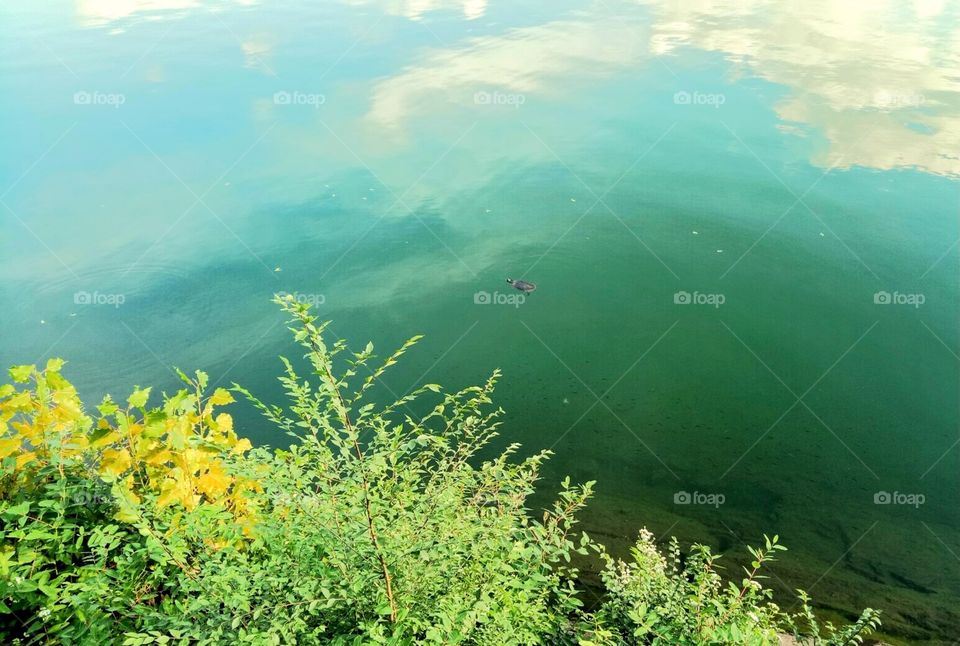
(168, 165)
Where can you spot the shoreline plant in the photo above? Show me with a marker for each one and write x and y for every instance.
(156, 523)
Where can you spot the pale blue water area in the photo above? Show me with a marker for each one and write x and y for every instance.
(391, 160)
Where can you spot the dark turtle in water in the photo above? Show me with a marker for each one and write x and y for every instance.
(523, 285)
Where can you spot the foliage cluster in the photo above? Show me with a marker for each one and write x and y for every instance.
(156, 524)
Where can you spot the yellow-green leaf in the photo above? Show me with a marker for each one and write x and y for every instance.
(21, 374)
(107, 407)
(138, 399)
(214, 482)
(220, 397)
(115, 461)
(8, 446)
(242, 445)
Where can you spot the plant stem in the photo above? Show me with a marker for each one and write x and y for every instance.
(345, 418)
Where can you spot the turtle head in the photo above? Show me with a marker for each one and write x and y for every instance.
(510, 280)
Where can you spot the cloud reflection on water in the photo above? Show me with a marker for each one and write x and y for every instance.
(879, 82)
(417, 9)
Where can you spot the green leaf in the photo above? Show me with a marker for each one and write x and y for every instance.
(21, 374)
(183, 376)
(54, 365)
(18, 510)
(107, 406)
(138, 399)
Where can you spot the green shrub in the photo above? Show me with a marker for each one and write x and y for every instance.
(157, 525)
(658, 599)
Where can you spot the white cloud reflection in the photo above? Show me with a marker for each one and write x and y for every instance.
(879, 80)
(541, 60)
(417, 9)
(102, 12)
(98, 13)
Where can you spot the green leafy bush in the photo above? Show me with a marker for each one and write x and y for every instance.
(158, 525)
(665, 599)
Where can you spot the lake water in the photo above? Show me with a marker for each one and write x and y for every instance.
(742, 218)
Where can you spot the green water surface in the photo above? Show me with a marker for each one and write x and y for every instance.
(715, 200)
